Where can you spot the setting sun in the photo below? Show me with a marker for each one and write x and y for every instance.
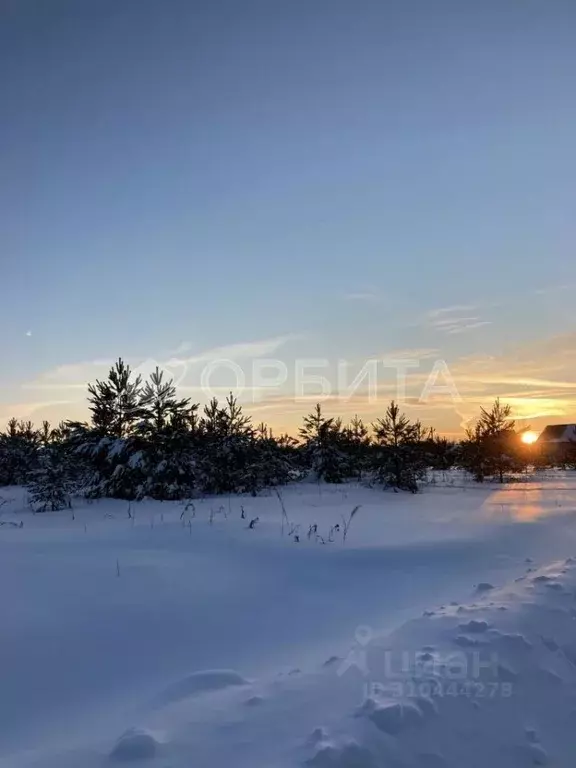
(529, 437)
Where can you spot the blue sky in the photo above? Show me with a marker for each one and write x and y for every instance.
(315, 179)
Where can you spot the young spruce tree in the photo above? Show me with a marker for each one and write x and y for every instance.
(50, 485)
(399, 459)
(162, 450)
(492, 445)
(323, 446)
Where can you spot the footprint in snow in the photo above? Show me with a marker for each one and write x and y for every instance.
(134, 745)
(317, 735)
(474, 626)
(254, 701)
(394, 717)
(555, 585)
(350, 755)
(467, 642)
(534, 753)
(513, 640)
(484, 586)
(200, 682)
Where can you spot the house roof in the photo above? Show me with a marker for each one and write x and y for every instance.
(558, 433)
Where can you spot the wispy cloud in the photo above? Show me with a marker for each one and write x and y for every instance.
(244, 350)
(455, 308)
(462, 325)
(76, 376)
(70, 376)
(455, 319)
(184, 346)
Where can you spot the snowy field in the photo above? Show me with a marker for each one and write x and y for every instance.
(442, 632)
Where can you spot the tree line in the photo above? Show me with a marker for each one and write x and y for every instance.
(142, 441)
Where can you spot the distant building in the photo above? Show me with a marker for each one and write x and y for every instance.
(558, 441)
(561, 434)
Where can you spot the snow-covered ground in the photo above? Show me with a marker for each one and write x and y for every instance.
(441, 633)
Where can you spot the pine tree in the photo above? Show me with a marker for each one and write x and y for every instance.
(46, 434)
(116, 407)
(492, 445)
(357, 445)
(116, 402)
(161, 411)
(224, 448)
(50, 484)
(399, 459)
(323, 446)
(441, 452)
(161, 450)
(269, 463)
(88, 457)
(19, 445)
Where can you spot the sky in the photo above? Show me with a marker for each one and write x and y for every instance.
(328, 184)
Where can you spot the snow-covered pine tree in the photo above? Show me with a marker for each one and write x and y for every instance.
(50, 485)
(268, 463)
(18, 452)
(224, 448)
(106, 446)
(163, 448)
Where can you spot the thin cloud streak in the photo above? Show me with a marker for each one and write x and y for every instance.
(246, 350)
(441, 311)
(456, 319)
(78, 375)
(464, 326)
